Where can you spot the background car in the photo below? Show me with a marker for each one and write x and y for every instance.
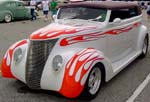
(12, 10)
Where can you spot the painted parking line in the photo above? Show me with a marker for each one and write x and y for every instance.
(0, 68)
(139, 89)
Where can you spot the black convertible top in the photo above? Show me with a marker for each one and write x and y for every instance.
(112, 5)
(105, 4)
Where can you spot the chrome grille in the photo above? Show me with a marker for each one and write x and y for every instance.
(37, 56)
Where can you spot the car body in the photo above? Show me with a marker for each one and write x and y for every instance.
(12, 10)
(89, 42)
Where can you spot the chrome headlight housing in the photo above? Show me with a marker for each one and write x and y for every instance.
(18, 55)
(57, 62)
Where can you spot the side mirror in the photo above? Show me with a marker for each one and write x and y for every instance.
(117, 20)
(54, 17)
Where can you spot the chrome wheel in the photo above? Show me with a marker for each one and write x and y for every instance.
(94, 80)
(7, 18)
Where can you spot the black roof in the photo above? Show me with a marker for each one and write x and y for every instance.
(103, 4)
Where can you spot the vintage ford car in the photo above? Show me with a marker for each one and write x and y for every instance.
(86, 45)
(13, 10)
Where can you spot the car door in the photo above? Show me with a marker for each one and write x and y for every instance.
(20, 10)
(119, 39)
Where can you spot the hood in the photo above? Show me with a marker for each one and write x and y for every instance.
(56, 30)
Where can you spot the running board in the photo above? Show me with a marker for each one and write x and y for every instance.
(119, 65)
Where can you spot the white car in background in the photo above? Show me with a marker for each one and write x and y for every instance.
(88, 44)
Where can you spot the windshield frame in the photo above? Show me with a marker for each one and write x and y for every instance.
(105, 11)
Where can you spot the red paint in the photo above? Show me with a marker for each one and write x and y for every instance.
(54, 31)
(94, 36)
(51, 34)
(70, 87)
(80, 38)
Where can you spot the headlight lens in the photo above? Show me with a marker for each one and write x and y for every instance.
(18, 55)
(57, 62)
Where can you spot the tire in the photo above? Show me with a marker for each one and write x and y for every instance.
(7, 18)
(93, 83)
(145, 47)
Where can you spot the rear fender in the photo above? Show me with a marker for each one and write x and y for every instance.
(142, 34)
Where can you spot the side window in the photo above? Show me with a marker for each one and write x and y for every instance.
(10, 5)
(19, 4)
(133, 12)
(123, 14)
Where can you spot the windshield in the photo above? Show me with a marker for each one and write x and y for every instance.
(84, 13)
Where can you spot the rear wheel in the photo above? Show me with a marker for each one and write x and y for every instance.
(145, 47)
(7, 18)
(93, 83)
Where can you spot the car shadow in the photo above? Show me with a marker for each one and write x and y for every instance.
(51, 95)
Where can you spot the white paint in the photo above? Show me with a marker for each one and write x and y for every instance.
(69, 64)
(73, 67)
(0, 68)
(84, 51)
(83, 80)
(6, 54)
(84, 56)
(8, 60)
(139, 89)
(51, 34)
(18, 69)
(68, 30)
(87, 65)
(43, 34)
(94, 54)
(78, 75)
(79, 29)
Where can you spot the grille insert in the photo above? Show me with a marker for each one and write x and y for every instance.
(37, 56)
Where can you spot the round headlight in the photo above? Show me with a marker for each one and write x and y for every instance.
(57, 62)
(18, 55)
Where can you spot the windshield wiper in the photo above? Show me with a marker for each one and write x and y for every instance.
(96, 19)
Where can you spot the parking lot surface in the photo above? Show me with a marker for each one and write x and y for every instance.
(119, 89)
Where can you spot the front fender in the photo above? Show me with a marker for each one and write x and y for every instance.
(77, 63)
(77, 70)
(7, 61)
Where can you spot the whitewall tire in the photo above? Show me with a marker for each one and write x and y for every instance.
(7, 18)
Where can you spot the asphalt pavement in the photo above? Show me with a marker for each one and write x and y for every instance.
(119, 89)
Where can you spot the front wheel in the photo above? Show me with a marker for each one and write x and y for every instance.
(145, 46)
(93, 83)
(7, 18)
